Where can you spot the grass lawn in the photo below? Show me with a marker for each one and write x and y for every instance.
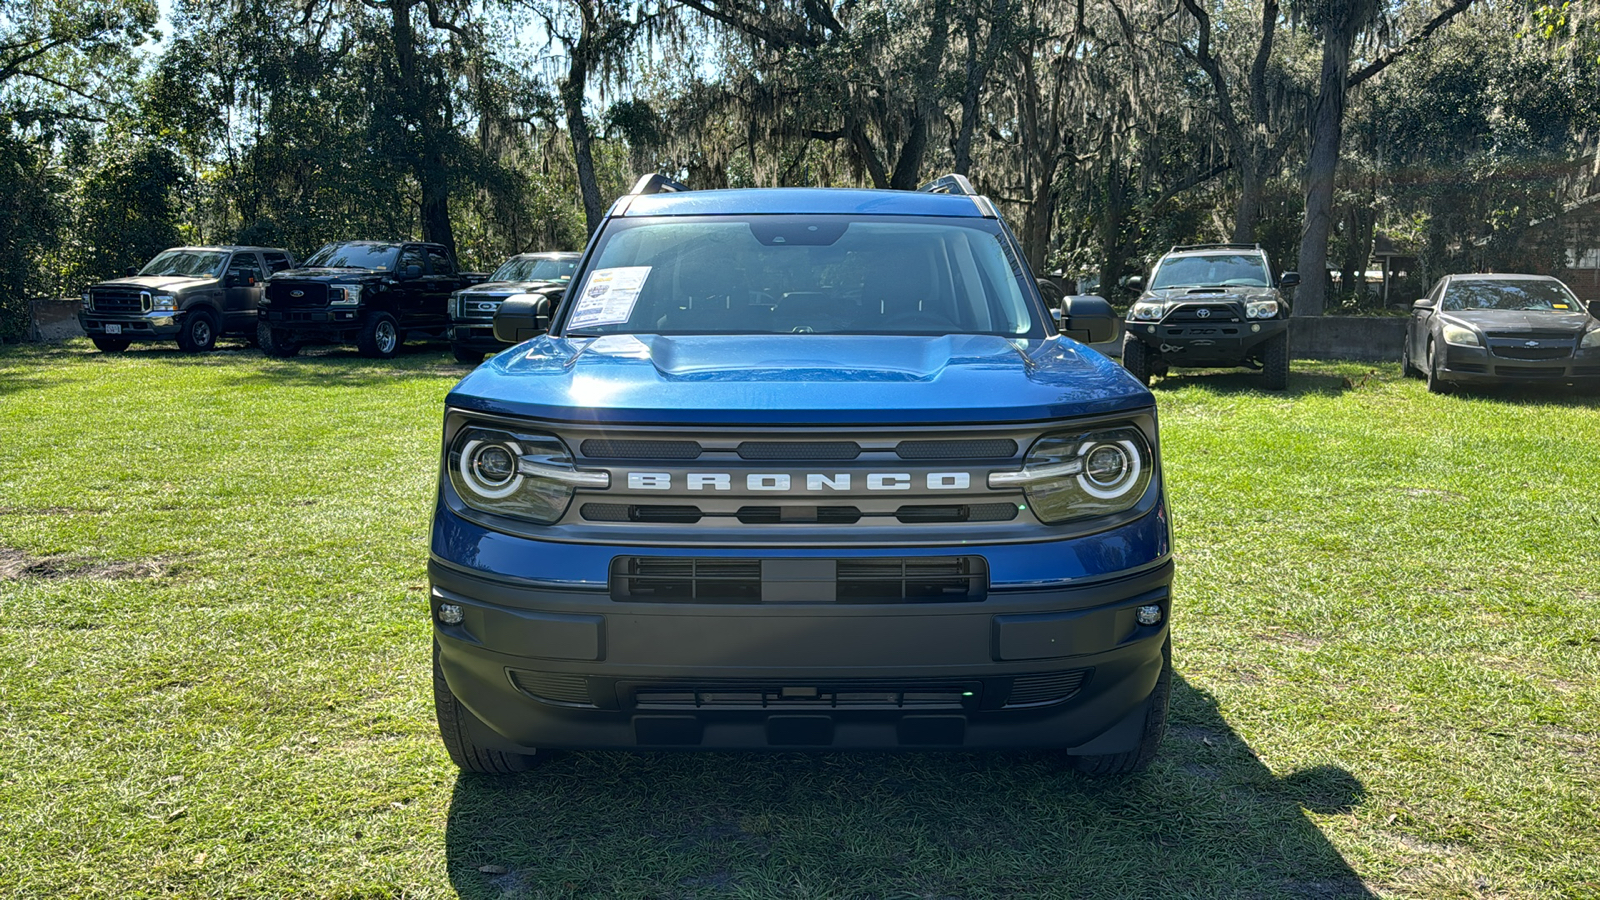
(216, 658)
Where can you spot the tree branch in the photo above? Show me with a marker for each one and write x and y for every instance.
(1456, 8)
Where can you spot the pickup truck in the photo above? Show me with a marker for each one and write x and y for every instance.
(801, 469)
(193, 295)
(472, 310)
(368, 293)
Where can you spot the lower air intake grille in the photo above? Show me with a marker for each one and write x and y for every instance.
(624, 512)
(552, 687)
(918, 579)
(799, 450)
(785, 697)
(603, 449)
(1046, 688)
(978, 512)
(974, 449)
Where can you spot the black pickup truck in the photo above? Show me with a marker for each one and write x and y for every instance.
(369, 293)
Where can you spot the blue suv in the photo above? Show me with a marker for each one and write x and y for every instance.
(801, 469)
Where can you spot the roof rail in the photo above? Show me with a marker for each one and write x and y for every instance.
(949, 184)
(1183, 247)
(657, 184)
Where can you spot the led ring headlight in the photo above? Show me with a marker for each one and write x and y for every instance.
(490, 468)
(1110, 468)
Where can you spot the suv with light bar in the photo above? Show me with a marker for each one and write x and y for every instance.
(1210, 305)
(801, 469)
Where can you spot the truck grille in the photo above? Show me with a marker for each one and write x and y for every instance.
(799, 451)
(759, 696)
(796, 514)
(479, 305)
(282, 294)
(120, 299)
(1190, 313)
(916, 579)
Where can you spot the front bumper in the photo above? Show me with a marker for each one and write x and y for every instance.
(541, 665)
(476, 334)
(160, 325)
(328, 322)
(1476, 365)
(1196, 343)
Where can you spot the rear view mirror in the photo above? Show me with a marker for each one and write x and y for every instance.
(1424, 303)
(1289, 279)
(413, 271)
(522, 317)
(131, 271)
(1133, 282)
(1088, 319)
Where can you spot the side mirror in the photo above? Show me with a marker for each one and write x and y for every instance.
(523, 317)
(1288, 279)
(1088, 319)
(1133, 282)
(131, 271)
(413, 271)
(1424, 303)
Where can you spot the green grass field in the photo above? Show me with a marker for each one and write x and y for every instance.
(216, 658)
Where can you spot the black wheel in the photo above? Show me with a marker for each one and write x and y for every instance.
(1155, 728)
(1436, 384)
(453, 729)
(199, 331)
(277, 342)
(111, 344)
(1136, 359)
(466, 354)
(1275, 362)
(379, 337)
(1407, 368)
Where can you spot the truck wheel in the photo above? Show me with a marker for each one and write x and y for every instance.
(379, 337)
(277, 342)
(199, 332)
(453, 719)
(1155, 728)
(1436, 385)
(1275, 362)
(466, 354)
(111, 344)
(1136, 359)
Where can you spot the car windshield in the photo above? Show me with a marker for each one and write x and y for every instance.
(1531, 294)
(356, 255)
(189, 263)
(803, 274)
(541, 268)
(1212, 270)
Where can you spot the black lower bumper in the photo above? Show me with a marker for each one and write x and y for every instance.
(1205, 344)
(324, 323)
(1476, 365)
(1066, 668)
(476, 336)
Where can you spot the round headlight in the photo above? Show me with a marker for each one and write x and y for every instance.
(1109, 468)
(490, 468)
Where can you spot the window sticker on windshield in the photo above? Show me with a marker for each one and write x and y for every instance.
(608, 297)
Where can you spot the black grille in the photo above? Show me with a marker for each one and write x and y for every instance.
(1509, 372)
(976, 512)
(595, 448)
(120, 299)
(552, 687)
(790, 697)
(877, 580)
(1214, 313)
(282, 294)
(1046, 688)
(799, 450)
(1518, 351)
(1585, 371)
(1002, 448)
(798, 515)
(625, 512)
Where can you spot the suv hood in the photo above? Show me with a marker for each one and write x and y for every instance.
(514, 287)
(1213, 294)
(799, 380)
(330, 275)
(160, 282)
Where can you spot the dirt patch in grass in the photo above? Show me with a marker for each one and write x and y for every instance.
(16, 565)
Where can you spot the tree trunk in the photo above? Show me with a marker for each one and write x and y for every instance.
(1327, 130)
(572, 91)
(1252, 186)
(416, 100)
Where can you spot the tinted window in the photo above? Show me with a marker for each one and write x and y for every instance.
(440, 262)
(354, 255)
(245, 269)
(802, 274)
(191, 263)
(277, 262)
(411, 256)
(535, 269)
(1219, 270)
(1534, 295)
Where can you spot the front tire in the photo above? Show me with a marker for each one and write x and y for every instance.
(277, 342)
(453, 729)
(1136, 359)
(1407, 368)
(379, 337)
(1155, 729)
(1275, 362)
(1436, 384)
(466, 354)
(199, 332)
(110, 344)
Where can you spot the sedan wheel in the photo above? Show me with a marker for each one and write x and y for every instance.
(1436, 384)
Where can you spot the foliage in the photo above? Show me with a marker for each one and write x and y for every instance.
(129, 209)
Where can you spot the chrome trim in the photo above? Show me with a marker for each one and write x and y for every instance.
(1027, 476)
(528, 465)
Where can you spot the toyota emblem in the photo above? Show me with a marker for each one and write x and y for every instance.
(1204, 313)
(297, 293)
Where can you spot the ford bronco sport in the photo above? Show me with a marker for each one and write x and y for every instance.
(801, 469)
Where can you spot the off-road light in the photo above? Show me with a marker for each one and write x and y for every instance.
(451, 614)
(1255, 327)
(1151, 329)
(1149, 615)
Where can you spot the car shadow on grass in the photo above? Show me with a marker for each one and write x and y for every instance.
(317, 366)
(1209, 819)
(1237, 382)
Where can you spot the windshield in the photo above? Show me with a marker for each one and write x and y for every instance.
(1220, 270)
(357, 255)
(542, 268)
(1536, 295)
(803, 274)
(189, 263)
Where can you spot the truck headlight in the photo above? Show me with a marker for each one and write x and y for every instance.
(88, 300)
(1590, 340)
(1080, 476)
(344, 295)
(1460, 335)
(1147, 312)
(163, 302)
(519, 474)
(1261, 309)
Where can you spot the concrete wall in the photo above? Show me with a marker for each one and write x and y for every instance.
(1365, 338)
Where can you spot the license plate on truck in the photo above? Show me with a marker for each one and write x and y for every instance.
(113, 329)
